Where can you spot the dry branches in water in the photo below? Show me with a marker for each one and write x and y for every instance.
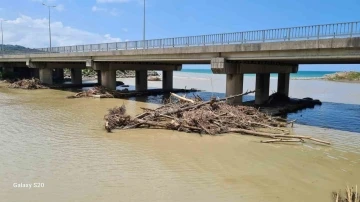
(213, 117)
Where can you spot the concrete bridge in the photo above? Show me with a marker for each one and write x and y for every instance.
(261, 52)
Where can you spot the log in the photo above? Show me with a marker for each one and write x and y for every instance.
(182, 98)
(262, 134)
(281, 140)
(267, 126)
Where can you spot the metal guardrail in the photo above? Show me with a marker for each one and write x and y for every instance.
(312, 32)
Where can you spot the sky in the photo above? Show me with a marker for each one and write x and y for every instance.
(76, 22)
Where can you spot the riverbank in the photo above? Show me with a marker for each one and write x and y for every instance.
(61, 142)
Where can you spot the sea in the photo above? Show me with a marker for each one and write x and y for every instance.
(300, 74)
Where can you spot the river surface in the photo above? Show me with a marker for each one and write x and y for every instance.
(45, 138)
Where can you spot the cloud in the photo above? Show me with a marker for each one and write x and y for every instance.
(60, 7)
(112, 1)
(113, 12)
(97, 9)
(34, 33)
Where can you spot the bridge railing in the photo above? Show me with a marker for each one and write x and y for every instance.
(312, 32)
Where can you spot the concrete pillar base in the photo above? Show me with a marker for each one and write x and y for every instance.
(262, 88)
(283, 83)
(234, 86)
(59, 75)
(46, 76)
(108, 79)
(76, 76)
(167, 80)
(141, 80)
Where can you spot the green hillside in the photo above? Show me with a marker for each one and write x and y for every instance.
(16, 49)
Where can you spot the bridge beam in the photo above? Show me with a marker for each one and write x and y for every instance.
(56, 65)
(222, 66)
(167, 80)
(141, 80)
(283, 83)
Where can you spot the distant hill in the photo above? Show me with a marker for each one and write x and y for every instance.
(16, 49)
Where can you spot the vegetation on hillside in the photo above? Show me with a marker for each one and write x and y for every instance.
(16, 49)
(343, 76)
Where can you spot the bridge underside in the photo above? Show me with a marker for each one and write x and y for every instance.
(234, 60)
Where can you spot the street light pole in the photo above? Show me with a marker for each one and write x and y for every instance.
(144, 26)
(49, 7)
(2, 39)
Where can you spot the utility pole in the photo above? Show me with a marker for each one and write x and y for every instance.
(49, 7)
(2, 38)
(144, 25)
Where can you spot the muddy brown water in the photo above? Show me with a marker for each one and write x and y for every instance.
(61, 143)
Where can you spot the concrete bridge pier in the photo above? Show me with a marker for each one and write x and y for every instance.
(167, 80)
(262, 88)
(76, 76)
(283, 83)
(235, 70)
(234, 86)
(106, 74)
(98, 76)
(108, 79)
(141, 80)
(46, 76)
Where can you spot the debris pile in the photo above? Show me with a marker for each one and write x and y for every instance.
(98, 92)
(27, 84)
(351, 195)
(212, 117)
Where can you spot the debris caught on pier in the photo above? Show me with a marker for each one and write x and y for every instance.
(102, 92)
(351, 195)
(213, 117)
(280, 104)
(30, 84)
(154, 78)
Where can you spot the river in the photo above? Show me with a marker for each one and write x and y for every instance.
(60, 142)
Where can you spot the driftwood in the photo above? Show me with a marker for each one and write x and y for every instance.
(351, 195)
(213, 117)
(30, 84)
(182, 98)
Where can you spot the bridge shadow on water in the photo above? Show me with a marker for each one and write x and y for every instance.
(339, 116)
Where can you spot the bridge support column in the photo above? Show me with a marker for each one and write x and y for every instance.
(283, 83)
(167, 80)
(76, 76)
(46, 76)
(262, 88)
(108, 79)
(234, 86)
(141, 80)
(98, 76)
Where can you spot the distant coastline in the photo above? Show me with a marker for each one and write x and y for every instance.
(302, 75)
